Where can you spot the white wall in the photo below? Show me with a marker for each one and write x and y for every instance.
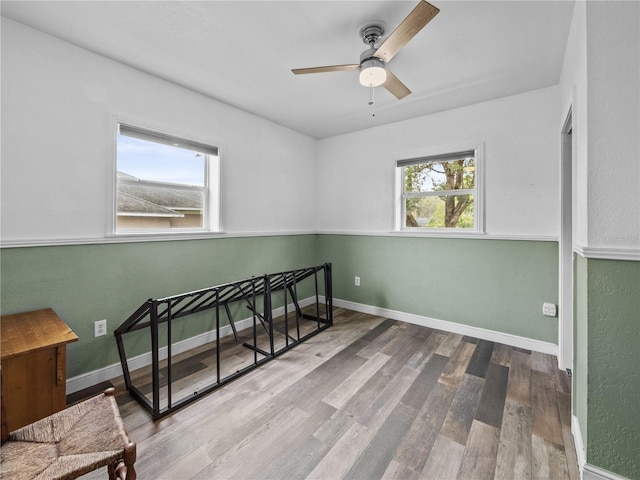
(613, 94)
(521, 145)
(573, 96)
(58, 102)
(605, 101)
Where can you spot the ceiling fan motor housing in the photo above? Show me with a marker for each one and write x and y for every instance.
(371, 33)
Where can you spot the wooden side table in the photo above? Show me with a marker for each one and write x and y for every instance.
(34, 365)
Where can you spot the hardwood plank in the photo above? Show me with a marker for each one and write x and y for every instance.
(549, 460)
(514, 450)
(389, 385)
(412, 334)
(298, 463)
(491, 405)
(542, 362)
(378, 343)
(458, 422)
(285, 436)
(449, 345)
(330, 374)
(563, 381)
(564, 408)
(480, 359)
(519, 385)
(416, 445)
(188, 419)
(396, 471)
(444, 460)
(479, 458)
(501, 354)
(339, 395)
(337, 462)
(335, 365)
(374, 460)
(546, 416)
(378, 330)
(228, 464)
(189, 465)
(455, 368)
(426, 351)
(522, 350)
(421, 388)
(387, 399)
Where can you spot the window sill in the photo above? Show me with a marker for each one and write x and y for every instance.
(450, 233)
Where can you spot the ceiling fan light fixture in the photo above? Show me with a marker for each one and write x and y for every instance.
(372, 73)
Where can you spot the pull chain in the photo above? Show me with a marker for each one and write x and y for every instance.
(372, 101)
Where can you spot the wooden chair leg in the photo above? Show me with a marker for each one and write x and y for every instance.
(112, 472)
(129, 460)
(123, 469)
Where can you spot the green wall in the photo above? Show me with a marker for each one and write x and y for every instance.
(613, 370)
(84, 283)
(580, 345)
(493, 284)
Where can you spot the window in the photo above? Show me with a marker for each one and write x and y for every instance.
(164, 183)
(440, 192)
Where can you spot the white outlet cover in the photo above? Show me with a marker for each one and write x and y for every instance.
(99, 328)
(549, 309)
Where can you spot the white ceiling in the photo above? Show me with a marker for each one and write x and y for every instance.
(242, 52)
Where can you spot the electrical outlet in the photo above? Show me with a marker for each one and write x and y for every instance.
(357, 281)
(99, 328)
(549, 309)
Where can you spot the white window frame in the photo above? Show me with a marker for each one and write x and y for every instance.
(211, 212)
(441, 155)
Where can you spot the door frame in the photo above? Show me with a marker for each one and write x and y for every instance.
(565, 250)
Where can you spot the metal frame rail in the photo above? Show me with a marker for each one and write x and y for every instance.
(257, 293)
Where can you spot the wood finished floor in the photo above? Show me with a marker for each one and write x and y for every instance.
(370, 398)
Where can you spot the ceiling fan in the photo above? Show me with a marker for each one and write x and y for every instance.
(373, 61)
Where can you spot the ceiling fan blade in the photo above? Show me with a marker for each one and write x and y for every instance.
(330, 68)
(410, 26)
(395, 86)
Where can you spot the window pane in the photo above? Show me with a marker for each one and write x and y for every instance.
(437, 176)
(449, 211)
(159, 186)
(160, 163)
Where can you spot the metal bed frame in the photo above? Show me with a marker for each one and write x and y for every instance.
(257, 293)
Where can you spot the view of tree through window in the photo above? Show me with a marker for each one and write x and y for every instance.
(440, 193)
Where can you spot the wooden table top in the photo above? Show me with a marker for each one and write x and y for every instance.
(29, 331)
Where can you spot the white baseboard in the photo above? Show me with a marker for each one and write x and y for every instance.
(591, 472)
(482, 333)
(577, 440)
(587, 471)
(90, 379)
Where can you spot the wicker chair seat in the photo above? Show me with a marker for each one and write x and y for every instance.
(70, 443)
